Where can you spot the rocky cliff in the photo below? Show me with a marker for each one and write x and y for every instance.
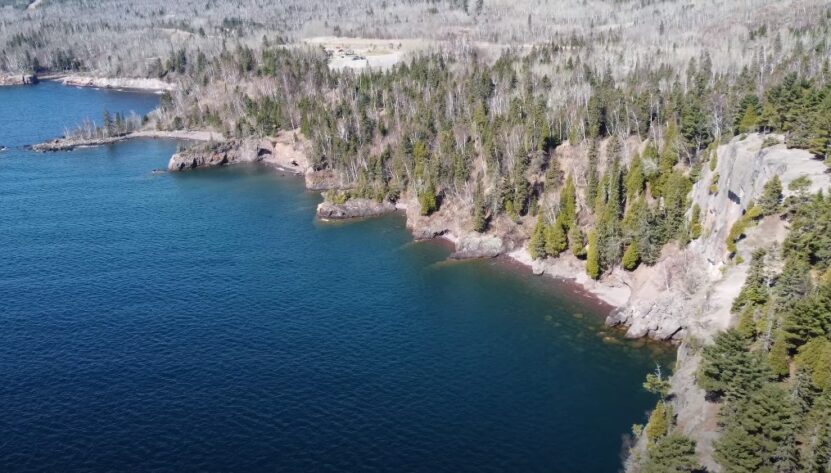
(690, 290)
(286, 151)
(689, 293)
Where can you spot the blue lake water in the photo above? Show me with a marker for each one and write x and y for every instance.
(206, 322)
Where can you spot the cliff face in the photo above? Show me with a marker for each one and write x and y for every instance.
(690, 291)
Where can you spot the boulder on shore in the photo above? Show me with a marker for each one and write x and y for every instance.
(472, 246)
(354, 208)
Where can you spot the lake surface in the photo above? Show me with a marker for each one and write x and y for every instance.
(206, 322)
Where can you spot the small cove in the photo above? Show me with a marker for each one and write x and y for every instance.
(206, 322)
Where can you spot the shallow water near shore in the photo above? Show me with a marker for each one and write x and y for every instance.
(205, 321)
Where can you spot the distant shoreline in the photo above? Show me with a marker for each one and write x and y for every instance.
(157, 86)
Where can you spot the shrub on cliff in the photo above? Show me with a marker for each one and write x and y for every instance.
(695, 223)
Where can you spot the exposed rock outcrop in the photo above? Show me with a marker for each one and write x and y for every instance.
(117, 83)
(473, 245)
(286, 151)
(691, 290)
(214, 155)
(68, 144)
(354, 208)
(18, 79)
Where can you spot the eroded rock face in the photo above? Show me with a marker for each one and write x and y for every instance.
(471, 246)
(691, 290)
(353, 208)
(18, 79)
(217, 154)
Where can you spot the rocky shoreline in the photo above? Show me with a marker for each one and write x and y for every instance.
(18, 79)
(687, 292)
(127, 83)
(70, 143)
(120, 83)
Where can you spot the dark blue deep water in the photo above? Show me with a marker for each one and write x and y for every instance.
(205, 322)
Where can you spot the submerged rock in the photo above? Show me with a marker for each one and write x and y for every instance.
(354, 208)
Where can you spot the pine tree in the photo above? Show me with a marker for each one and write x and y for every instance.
(749, 120)
(659, 422)
(736, 451)
(815, 358)
(793, 283)
(577, 241)
(428, 200)
(820, 143)
(816, 429)
(568, 204)
(747, 322)
(536, 245)
(631, 258)
(555, 239)
(108, 123)
(771, 199)
(728, 367)
(778, 357)
(674, 453)
(480, 222)
(634, 178)
(761, 426)
(755, 289)
(553, 175)
(593, 257)
(810, 318)
(591, 177)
